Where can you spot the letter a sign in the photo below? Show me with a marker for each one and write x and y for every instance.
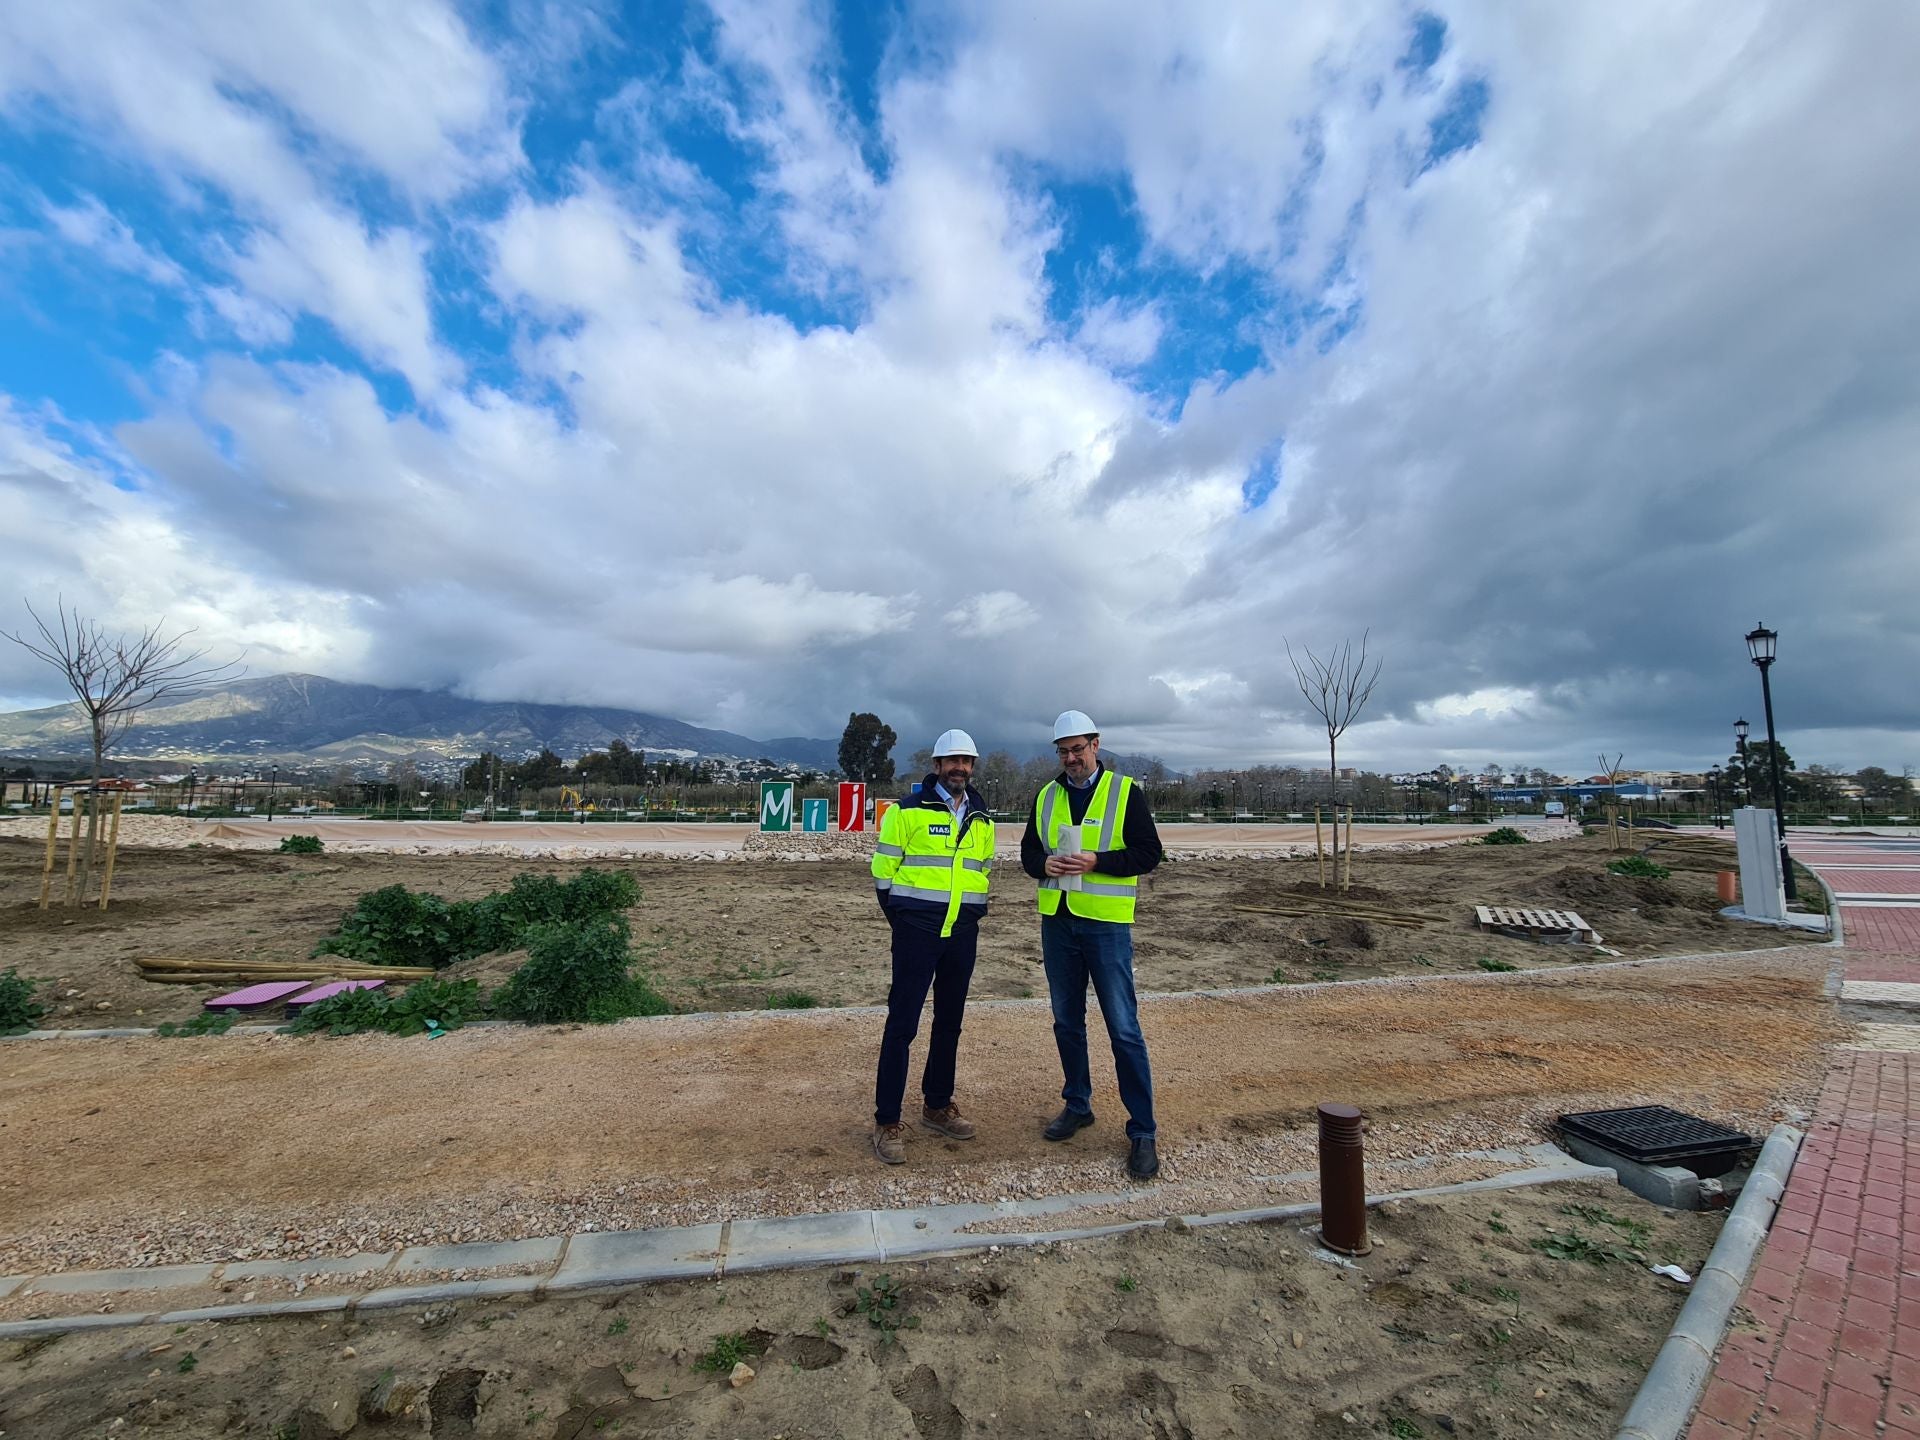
(853, 805)
(776, 806)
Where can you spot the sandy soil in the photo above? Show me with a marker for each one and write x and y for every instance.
(1455, 1324)
(729, 935)
(147, 1151)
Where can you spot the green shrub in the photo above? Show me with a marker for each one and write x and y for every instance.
(18, 1009)
(398, 926)
(577, 972)
(207, 1022)
(1505, 835)
(792, 1000)
(1638, 865)
(301, 845)
(1498, 967)
(432, 1004)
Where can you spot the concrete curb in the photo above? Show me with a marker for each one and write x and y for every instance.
(1672, 1388)
(599, 1260)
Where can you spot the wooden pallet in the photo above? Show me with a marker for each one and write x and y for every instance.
(1535, 922)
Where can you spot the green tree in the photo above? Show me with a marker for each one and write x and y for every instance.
(625, 765)
(477, 774)
(866, 749)
(1755, 776)
(542, 770)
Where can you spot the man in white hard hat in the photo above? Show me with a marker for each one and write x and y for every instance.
(930, 868)
(1088, 841)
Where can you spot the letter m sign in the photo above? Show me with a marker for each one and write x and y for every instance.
(776, 805)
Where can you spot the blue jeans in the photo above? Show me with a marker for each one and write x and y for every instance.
(922, 961)
(1075, 951)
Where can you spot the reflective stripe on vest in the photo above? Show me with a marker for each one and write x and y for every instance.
(1100, 897)
(952, 870)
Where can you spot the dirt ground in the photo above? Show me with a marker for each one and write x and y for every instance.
(147, 1151)
(1458, 1323)
(729, 935)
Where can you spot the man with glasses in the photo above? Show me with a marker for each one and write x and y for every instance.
(930, 870)
(1089, 840)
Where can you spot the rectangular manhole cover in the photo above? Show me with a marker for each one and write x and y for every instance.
(1657, 1135)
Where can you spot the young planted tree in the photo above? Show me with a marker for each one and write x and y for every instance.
(1337, 690)
(114, 676)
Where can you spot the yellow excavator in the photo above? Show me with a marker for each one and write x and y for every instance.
(572, 799)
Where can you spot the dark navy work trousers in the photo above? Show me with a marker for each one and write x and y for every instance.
(922, 961)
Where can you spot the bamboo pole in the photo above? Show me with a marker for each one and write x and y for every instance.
(53, 845)
(73, 852)
(113, 849)
(1319, 851)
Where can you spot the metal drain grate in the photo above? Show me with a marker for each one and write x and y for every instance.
(1657, 1135)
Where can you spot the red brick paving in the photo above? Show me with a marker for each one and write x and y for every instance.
(1883, 929)
(1826, 1344)
(1876, 882)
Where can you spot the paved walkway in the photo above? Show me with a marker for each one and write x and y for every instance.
(1833, 1346)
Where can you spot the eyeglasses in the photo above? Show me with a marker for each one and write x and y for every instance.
(1072, 752)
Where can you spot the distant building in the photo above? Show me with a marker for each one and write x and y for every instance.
(1586, 790)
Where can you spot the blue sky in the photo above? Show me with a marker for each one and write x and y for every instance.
(753, 363)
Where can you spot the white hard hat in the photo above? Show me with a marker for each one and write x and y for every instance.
(955, 742)
(1074, 722)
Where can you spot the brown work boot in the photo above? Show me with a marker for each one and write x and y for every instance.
(890, 1143)
(949, 1122)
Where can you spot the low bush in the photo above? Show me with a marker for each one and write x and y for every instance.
(1505, 835)
(301, 845)
(500, 921)
(1498, 967)
(426, 1005)
(398, 926)
(18, 1009)
(1638, 865)
(792, 1000)
(578, 972)
(207, 1022)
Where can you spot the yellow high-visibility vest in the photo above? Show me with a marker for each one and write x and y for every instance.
(926, 857)
(1103, 827)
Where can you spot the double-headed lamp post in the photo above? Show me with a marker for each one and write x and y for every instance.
(1760, 648)
(1740, 744)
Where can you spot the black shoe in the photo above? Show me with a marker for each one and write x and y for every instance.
(1066, 1123)
(1143, 1160)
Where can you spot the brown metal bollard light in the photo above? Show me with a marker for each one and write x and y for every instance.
(1343, 1181)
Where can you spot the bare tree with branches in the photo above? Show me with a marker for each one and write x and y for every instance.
(1337, 690)
(114, 676)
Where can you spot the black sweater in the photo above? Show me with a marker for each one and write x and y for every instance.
(1140, 848)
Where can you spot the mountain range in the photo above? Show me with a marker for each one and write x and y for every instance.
(309, 720)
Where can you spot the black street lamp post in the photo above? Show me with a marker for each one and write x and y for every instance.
(1761, 643)
(1746, 770)
(273, 788)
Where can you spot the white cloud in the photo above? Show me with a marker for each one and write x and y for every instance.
(274, 107)
(1118, 335)
(996, 612)
(92, 226)
(1605, 387)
